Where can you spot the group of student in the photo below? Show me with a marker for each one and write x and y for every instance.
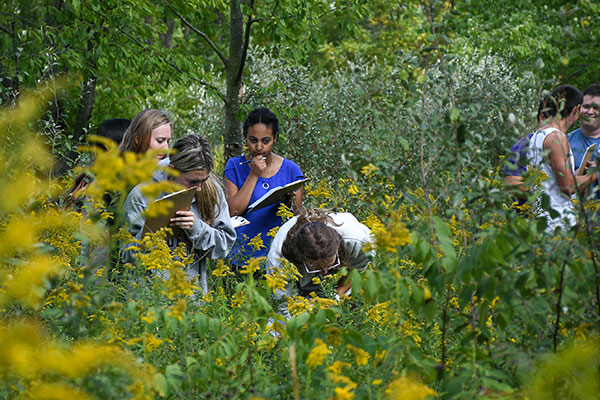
(560, 156)
(317, 242)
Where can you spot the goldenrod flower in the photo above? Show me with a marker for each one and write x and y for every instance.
(408, 389)
(361, 357)
(317, 354)
(336, 367)
(177, 310)
(149, 318)
(222, 269)
(273, 231)
(284, 212)
(368, 170)
(344, 393)
(252, 266)
(395, 235)
(256, 243)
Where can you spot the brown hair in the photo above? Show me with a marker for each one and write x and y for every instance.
(192, 153)
(139, 133)
(313, 238)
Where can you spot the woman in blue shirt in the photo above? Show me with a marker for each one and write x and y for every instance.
(250, 176)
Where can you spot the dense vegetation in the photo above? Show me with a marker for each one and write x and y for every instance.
(399, 113)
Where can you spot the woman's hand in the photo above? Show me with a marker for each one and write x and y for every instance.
(183, 219)
(258, 165)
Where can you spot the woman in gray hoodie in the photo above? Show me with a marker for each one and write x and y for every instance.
(205, 229)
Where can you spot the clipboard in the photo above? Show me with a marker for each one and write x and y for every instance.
(587, 156)
(170, 204)
(275, 195)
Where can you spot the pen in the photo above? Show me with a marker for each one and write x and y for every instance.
(249, 161)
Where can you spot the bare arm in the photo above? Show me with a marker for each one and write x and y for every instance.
(238, 199)
(558, 145)
(514, 185)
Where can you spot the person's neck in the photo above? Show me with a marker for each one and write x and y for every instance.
(590, 134)
(556, 124)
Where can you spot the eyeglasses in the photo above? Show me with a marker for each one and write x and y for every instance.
(335, 264)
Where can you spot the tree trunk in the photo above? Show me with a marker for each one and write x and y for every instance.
(232, 136)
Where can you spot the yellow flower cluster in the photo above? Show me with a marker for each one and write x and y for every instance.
(177, 310)
(221, 269)
(284, 212)
(394, 236)
(361, 357)
(408, 389)
(279, 277)
(317, 354)
(252, 266)
(380, 314)
(37, 361)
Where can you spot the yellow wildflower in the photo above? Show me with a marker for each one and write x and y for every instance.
(284, 212)
(177, 310)
(394, 236)
(368, 170)
(361, 357)
(256, 243)
(317, 354)
(221, 269)
(376, 382)
(152, 342)
(344, 393)
(279, 277)
(353, 189)
(252, 266)
(408, 389)
(273, 231)
(336, 367)
(150, 317)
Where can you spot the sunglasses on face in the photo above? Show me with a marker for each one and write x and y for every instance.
(313, 270)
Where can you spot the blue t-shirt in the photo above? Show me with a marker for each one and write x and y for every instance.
(579, 143)
(261, 220)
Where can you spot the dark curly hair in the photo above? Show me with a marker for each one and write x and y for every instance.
(313, 238)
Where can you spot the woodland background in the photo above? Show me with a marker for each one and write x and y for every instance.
(400, 112)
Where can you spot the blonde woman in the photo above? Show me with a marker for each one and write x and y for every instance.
(149, 130)
(206, 229)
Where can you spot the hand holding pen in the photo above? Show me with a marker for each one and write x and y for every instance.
(251, 160)
(258, 164)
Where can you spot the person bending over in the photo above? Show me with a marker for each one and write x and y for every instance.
(318, 243)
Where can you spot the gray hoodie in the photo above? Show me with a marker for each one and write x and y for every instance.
(204, 240)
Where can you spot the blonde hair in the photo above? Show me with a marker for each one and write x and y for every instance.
(139, 133)
(192, 153)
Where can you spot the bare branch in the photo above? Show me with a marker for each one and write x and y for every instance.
(203, 35)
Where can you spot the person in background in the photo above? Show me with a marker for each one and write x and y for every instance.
(150, 130)
(517, 165)
(318, 243)
(112, 129)
(550, 153)
(250, 176)
(206, 229)
(588, 132)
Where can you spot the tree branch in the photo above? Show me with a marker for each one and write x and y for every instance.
(246, 44)
(213, 87)
(203, 35)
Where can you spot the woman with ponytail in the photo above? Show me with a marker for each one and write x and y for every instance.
(318, 243)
